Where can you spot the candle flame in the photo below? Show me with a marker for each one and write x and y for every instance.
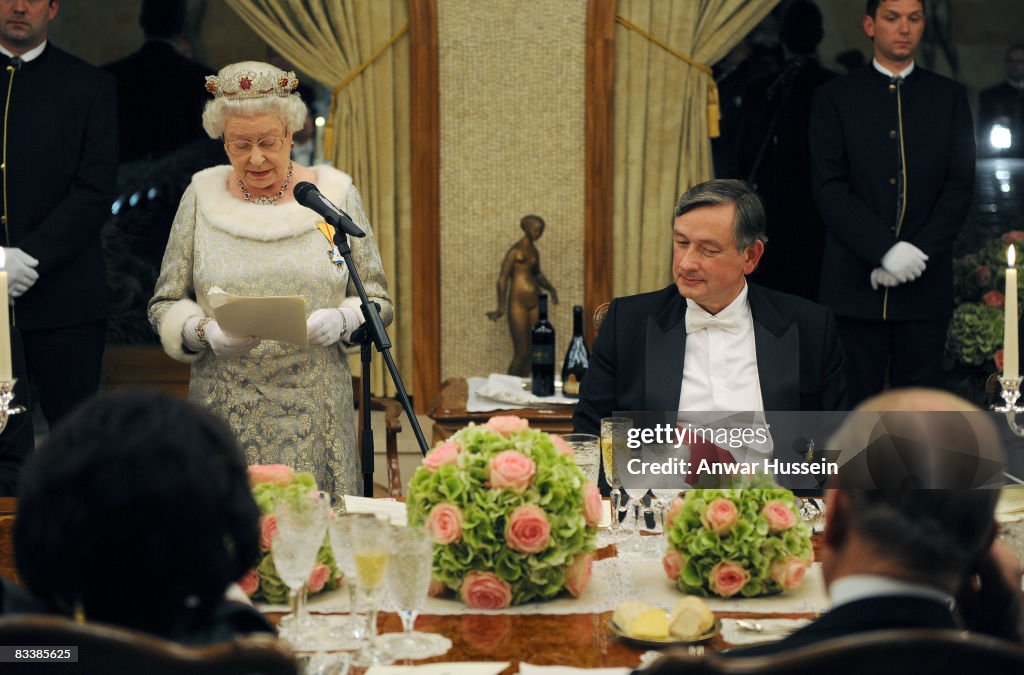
(1011, 256)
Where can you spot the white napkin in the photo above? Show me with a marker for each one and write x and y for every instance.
(1011, 505)
(508, 389)
(774, 629)
(462, 668)
(394, 511)
(529, 669)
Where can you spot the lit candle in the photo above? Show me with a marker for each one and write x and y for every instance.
(1010, 356)
(5, 323)
(318, 139)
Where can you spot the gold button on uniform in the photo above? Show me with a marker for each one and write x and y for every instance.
(892, 133)
(892, 181)
(892, 87)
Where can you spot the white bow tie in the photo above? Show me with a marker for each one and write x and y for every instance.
(697, 319)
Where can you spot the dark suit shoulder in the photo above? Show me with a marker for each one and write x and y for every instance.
(787, 304)
(646, 301)
(72, 68)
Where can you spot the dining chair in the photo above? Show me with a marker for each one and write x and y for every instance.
(936, 652)
(105, 649)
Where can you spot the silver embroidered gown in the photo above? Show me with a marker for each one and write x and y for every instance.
(287, 405)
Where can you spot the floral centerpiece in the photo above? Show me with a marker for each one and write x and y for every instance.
(512, 517)
(270, 483)
(974, 343)
(744, 542)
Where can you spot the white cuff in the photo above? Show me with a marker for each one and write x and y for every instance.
(172, 326)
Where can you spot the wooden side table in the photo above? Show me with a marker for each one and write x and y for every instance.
(449, 413)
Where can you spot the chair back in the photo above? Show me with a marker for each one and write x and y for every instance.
(105, 649)
(937, 652)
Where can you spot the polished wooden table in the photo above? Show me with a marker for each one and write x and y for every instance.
(580, 640)
(449, 413)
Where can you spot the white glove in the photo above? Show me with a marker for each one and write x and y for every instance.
(904, 261)
(880, 277)
(220, 342)
(326, 326)
(21, 274)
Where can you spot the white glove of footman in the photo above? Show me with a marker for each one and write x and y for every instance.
(879, 277)
(326, 326)
(905, 261)
(220, 342)
(21, 274)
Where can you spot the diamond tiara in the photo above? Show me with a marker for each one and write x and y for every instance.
(249, 84)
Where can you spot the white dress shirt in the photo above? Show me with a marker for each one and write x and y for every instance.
(27, 56)
(885, 71)
(860, 586)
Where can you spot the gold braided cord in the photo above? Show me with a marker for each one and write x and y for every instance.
(329, 129)
(7, 110)
(714, 111)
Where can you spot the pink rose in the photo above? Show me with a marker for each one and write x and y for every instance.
(318, 577)
(436, 588)
(506, 424)
(562, 445)
(592, 506)
(728, 579)
(250, 583)
(983, 274)
(789, 573)
(446, 453)
(512, 470)
(275, 474)
(268, 528)
(1013, 236)
(674, 509)
(673, 564)
(720, 515)
(528, 529)
(577, 574)
(484, 590)
(445, 523)
(779, 516)
(993, 299)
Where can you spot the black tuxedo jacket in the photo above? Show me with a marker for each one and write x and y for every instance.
(855, 132)
(637, 359)
(60, 171)
(878, 613)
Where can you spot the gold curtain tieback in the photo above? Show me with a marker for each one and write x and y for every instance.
(332, 116)
(714, 109)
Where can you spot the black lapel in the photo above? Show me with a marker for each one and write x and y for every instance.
(665, 346)
(777, 344)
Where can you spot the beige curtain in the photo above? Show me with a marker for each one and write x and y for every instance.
(359, 51)
(661, 121)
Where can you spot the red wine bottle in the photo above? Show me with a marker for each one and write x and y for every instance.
(542, 352)
(577, 358)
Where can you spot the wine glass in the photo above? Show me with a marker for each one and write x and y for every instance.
(662, 501)
(613, 440)
(301, 527)
(585, 454)
(634, 543)
(351, 632)
(408, 579)
(371, 549)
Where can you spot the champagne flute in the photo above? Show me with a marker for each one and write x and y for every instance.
(408, 580)
(371, 549)
(662, 500)
(613, 440)
(301, 527)
(339, 528)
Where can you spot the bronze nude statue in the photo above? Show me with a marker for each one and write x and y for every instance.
(519, 285)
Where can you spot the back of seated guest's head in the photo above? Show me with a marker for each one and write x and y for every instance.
(928, 537)
(136, 510)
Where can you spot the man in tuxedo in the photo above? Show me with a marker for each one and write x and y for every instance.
(59, 166)
(1004, 104)
(892, 150)
(712, 341)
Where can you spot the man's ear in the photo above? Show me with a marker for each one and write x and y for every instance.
(869, 26)
(837, 519)
(752, 256)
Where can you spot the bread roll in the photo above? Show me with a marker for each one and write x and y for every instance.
(690, 617)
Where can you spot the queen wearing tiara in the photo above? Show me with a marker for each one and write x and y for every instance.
(239, 228)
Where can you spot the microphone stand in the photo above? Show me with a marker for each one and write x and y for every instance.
(373, 332)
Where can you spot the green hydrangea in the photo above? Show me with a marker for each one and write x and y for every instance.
(975, 333)
(556, 487)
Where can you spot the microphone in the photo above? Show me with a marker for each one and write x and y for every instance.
(309, 196)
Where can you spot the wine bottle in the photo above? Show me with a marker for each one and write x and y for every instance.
(577, 358)
(542, 352)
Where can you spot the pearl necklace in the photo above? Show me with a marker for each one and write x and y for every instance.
(267, 201)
